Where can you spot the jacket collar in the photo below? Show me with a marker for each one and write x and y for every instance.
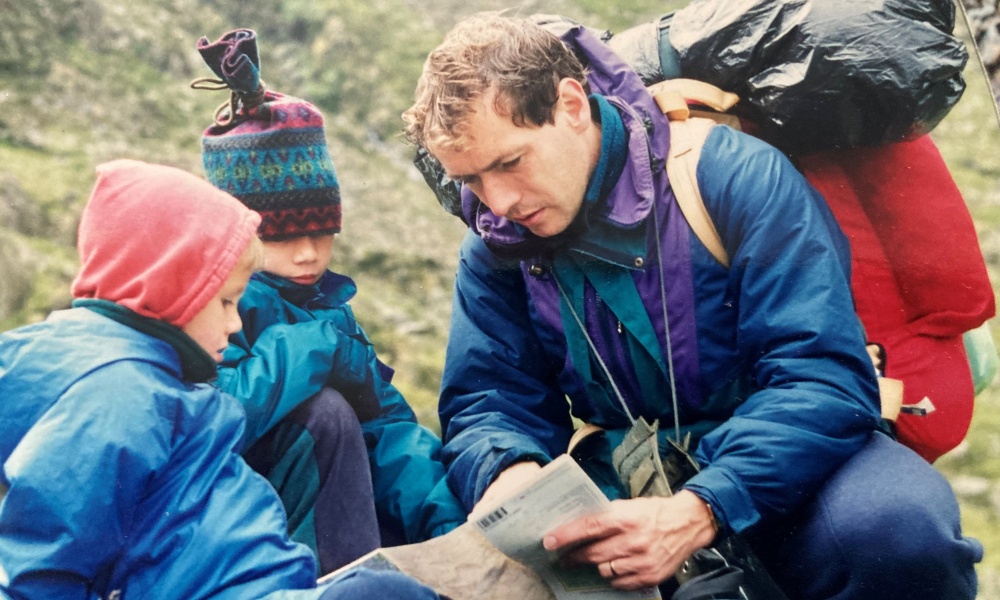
(332, 289)
(611, 161)
(196, 364)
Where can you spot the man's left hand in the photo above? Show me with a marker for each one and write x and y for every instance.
(637, 543)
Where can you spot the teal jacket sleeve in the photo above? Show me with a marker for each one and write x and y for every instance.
(407, 473)
(75, 527)
(271, 373)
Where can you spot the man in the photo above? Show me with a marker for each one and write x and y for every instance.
(580, 279)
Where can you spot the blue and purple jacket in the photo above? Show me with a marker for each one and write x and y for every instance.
(768, 356)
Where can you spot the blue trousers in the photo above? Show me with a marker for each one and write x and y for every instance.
(363, 584)
(317, 461)
(885, 527)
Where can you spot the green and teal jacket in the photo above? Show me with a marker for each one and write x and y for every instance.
(298, 339)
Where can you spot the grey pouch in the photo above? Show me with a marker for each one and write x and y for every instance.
(730, 563)
(637, 462)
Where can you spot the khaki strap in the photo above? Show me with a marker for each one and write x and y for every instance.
(720, 118)
(890, 392)
(686, 140)
(578, 435)
(674, 95)
(688, 131)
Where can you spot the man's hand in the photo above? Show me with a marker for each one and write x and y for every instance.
(637, 543)
(506, 482)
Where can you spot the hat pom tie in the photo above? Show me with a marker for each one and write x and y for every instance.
(235, 60)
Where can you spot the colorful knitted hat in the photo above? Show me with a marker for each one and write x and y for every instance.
(267, 149)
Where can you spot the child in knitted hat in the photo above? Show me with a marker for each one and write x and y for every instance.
(121, 475)
(303, 367)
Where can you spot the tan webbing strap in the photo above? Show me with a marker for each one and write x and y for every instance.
(688, 91)
(583, 431)
(686, 140)
(720, 118)
(687, 136)
(673, 104)
(890, 392)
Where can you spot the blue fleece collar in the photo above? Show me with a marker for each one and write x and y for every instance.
(613, 151)
(197, 366)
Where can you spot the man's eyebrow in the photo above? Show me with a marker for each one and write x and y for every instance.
(490, 167)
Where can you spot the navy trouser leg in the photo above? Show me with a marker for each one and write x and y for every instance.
(317, 461)
(364, 584)
(390, 534)
(885, 526)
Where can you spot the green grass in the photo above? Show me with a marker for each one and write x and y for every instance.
(975, 463)
(969, 139)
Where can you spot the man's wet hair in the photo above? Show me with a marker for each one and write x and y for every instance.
(510, 61)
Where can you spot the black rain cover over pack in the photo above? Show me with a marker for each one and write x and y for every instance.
(816, 74)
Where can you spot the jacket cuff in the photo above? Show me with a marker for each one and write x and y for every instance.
(494, 462)
(731, 503)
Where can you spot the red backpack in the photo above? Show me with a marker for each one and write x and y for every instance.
(918, 275)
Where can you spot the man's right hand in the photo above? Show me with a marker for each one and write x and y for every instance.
(640, 542)
(509, 480)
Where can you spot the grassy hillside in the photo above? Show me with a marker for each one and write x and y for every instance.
(85, 81)
(969, 138)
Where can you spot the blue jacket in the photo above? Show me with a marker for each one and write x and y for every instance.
(297, 339)
(121, 476)
(768, 356)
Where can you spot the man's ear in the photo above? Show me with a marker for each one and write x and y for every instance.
(573, 104)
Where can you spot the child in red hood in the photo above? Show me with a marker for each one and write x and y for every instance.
(121, 474)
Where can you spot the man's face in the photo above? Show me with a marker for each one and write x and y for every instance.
(302, 259)
(534, 176)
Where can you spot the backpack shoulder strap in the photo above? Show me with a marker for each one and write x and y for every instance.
(687, 136)
(686, 140)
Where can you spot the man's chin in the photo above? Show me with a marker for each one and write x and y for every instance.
(546, 230)
(542, 232)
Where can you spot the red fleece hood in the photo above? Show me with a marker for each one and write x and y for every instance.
(158, 240)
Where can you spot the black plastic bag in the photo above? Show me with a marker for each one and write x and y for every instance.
(814, 74)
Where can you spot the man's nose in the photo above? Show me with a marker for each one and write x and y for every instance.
(500, 195)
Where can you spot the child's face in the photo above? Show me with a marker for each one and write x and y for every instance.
(300, 259)
(212, 327)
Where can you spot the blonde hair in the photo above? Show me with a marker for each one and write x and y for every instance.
(252, 258)
(514, 59)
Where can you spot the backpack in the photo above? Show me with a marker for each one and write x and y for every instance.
(689, 128)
